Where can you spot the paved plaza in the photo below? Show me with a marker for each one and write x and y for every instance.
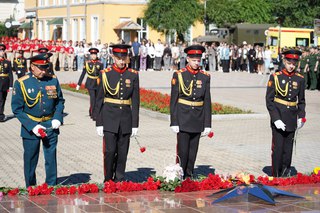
(241, 143)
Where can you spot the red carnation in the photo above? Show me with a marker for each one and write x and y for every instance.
(42, 133)
(211, 134)
(304, 120)
(13, 192)
(142, 149)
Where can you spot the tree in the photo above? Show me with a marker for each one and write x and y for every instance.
(226, 12)
(297, 13)
(173, 15)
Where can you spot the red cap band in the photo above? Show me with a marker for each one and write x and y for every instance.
(119, 50)
(292, 56)
(194, 52)
(40, 62)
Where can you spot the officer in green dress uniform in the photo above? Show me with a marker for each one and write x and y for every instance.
(285, 100)
(50, 68)
(38, 103)
(313, 68)
(6, 80)
(20, 64)
(190, 108)
(92, 68)
(117, 112)
(303, 66)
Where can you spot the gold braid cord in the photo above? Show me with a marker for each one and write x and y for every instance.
(186, 90)
(19, 63)
(90, 71)
(27, 98)
(107, 87)
(279, 90)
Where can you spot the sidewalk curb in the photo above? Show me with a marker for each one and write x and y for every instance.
(164, 117)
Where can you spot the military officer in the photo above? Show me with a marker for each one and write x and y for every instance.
(20, 64)
(92, 68)
(38, 103)
(190, 108)
(6, 80)
(303, 66)
(117, 110)
(313, 68)
(285, 100)
(50, 68)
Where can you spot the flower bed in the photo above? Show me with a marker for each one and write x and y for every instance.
(212, 182)
(156, 101)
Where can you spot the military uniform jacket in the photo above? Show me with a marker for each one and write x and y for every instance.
(92, 68)
(20, 66)
(292, 89)
(113, 116)
(190, 118)
(6, 78)
(38, 98)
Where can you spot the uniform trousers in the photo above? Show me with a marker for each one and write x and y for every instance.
(31, 155)
(93, 95)
(3, 97)
(115, 151)
(187, 149)
(313, 78)
(282, 145)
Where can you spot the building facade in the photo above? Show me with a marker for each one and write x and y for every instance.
(107, 20)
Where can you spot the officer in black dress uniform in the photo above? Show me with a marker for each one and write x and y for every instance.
(6, 80)
(92, 68)
(43, 50)
(117, 112)
(190, 108)
(20, 64)
(285, 100)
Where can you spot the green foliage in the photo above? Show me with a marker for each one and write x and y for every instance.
(177, 15)
(167, 186)
(296, 13)
(3, 30)
(227, 12)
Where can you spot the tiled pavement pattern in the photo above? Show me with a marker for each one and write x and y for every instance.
(241, 143)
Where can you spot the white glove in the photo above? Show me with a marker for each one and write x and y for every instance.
(55, 124)
(175, 129)
(134, 132)
(36, 129)
(206, 131)
(78, 87)
(300, 123)
(280, 125)
(100, 130)
(10, 88)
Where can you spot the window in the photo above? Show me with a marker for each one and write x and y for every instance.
(82, 29)
(142, 34)
(41, 3)
(40, 29)
(274, 41)
(94, 28)
(47, 30)
(74, 1)
(302, 42)
(75, 30)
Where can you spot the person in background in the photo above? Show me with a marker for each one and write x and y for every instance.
(92, 68)
(19, 64)
(151, 54)
(6, 80)
(143, 52)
